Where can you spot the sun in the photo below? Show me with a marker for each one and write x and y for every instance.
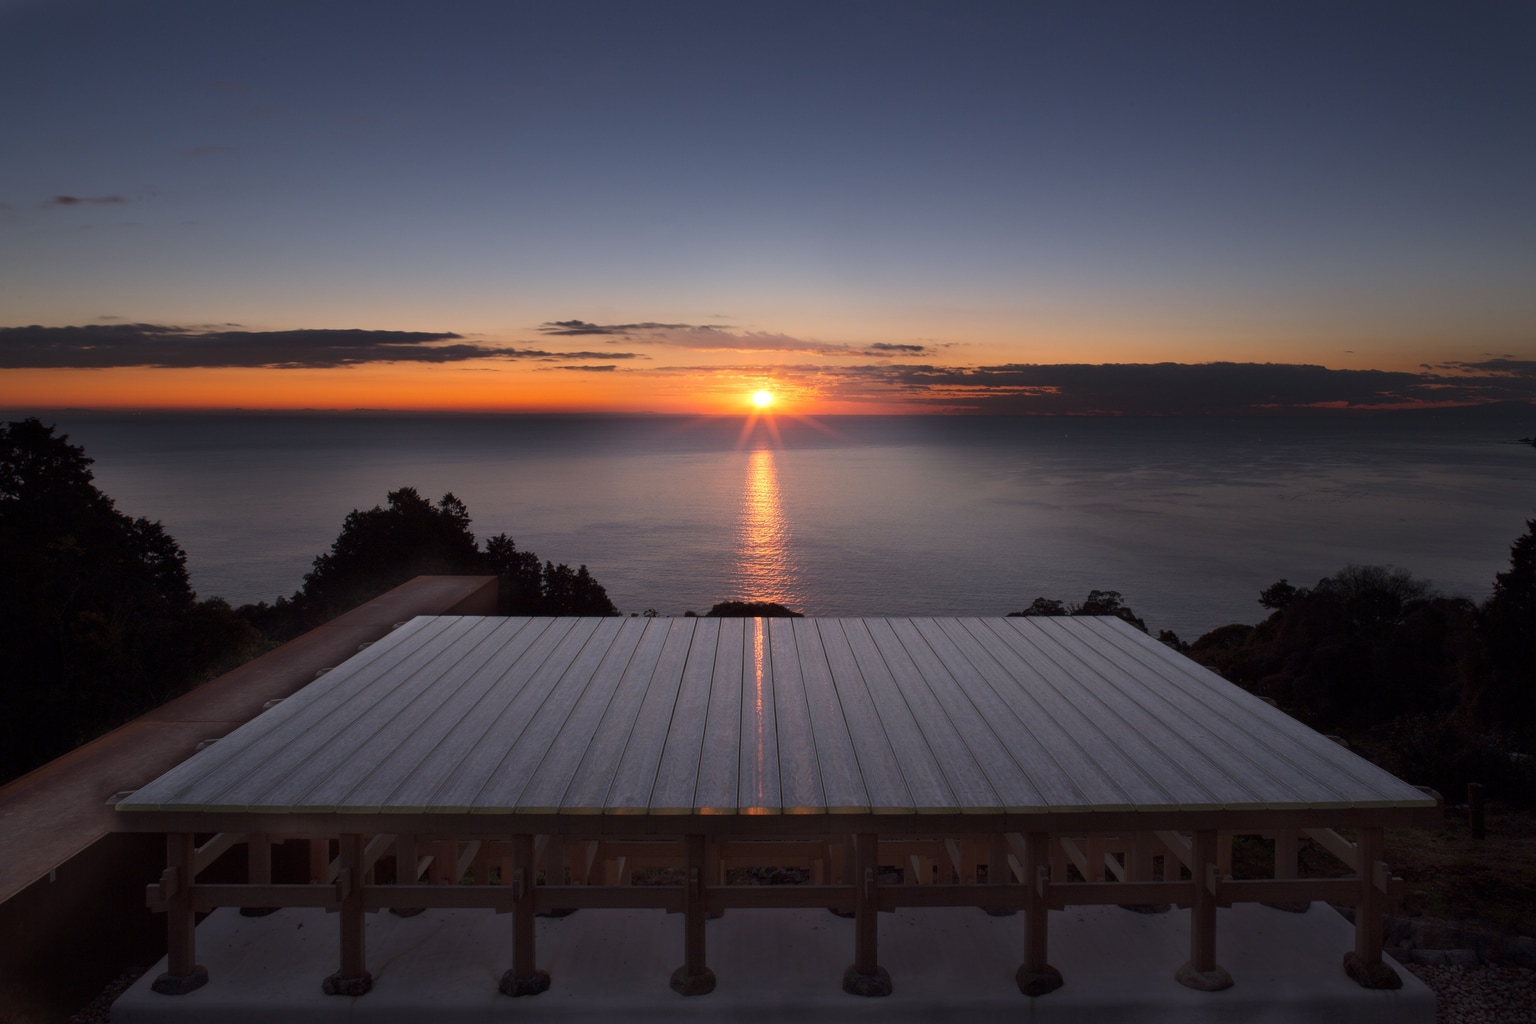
(762, 399)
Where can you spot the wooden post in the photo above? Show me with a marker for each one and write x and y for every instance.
(1287, 843)
(319, 861)
(258, 868)
(524, 978)
(1364, 963)
(1138, 859)
(998, 871)
(407, 861)
(865, 977)
(694, 978)
(353, 978)
(1202, 972)
(183, 974)
(1035, 975)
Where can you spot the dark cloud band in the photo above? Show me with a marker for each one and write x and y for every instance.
(103, 346)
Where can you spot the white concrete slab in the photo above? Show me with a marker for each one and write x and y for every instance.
(614, 965)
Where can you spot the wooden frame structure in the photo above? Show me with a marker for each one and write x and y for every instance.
(533, 765)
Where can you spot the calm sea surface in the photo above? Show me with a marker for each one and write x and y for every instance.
(1188, 518)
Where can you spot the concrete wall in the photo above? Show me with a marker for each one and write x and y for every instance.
(72, 914)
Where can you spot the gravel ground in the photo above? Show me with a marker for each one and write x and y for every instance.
(1481, 995)
(99, 1010)
(1465, 995)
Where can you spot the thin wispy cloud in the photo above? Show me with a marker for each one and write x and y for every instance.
(87, 200)
(582, 328)
(884, 348)
(698, 337)
(101, 346)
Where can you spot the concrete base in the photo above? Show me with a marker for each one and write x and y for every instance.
(615, 965)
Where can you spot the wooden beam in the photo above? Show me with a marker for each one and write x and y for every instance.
(1335, 844)
(467, 857)
(375, 849)
(213, 849)
(1177, 846)
(206, 898)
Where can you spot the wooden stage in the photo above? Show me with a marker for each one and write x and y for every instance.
(534, 766)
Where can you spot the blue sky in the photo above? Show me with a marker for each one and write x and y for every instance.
(986, 184)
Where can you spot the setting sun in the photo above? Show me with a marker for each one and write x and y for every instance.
(762, 399)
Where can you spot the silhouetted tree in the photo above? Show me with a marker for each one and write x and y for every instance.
(573, 593)
(1098, 602)
(1363, 647)
(1279, 594)
(382, 547)
(1507, 628)
(1040, 606)
(98, 620)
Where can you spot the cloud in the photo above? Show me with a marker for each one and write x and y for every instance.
(581, 328)
(78, 200)
(608, 368)
(1501, 366)
(699, 337)
(1137, 389)
(100, 346)
(1160, 389)
(883, 348)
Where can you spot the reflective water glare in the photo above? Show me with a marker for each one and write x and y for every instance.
(1189, 519)
(765, 566)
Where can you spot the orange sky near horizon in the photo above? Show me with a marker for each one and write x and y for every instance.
(412, 387)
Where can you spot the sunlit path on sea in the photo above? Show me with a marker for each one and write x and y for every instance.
(765, 567)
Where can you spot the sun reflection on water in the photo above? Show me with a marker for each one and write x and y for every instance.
(765, 570)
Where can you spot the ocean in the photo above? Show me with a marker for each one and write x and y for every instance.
(1187, 518)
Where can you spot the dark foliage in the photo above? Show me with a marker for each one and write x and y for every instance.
(383, 547)
(1098, 602)
(751, 610)
(1506, 688)
(97, 618)
(1434, 688)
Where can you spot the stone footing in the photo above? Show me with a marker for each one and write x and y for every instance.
(1213, 980)
(856, 983)
(336, 985)
(685, 984)
(258, 911)
(1038, 983)
(529, 985)
(169, 984)
(1377, 975)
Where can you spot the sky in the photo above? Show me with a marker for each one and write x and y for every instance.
(857, 206)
